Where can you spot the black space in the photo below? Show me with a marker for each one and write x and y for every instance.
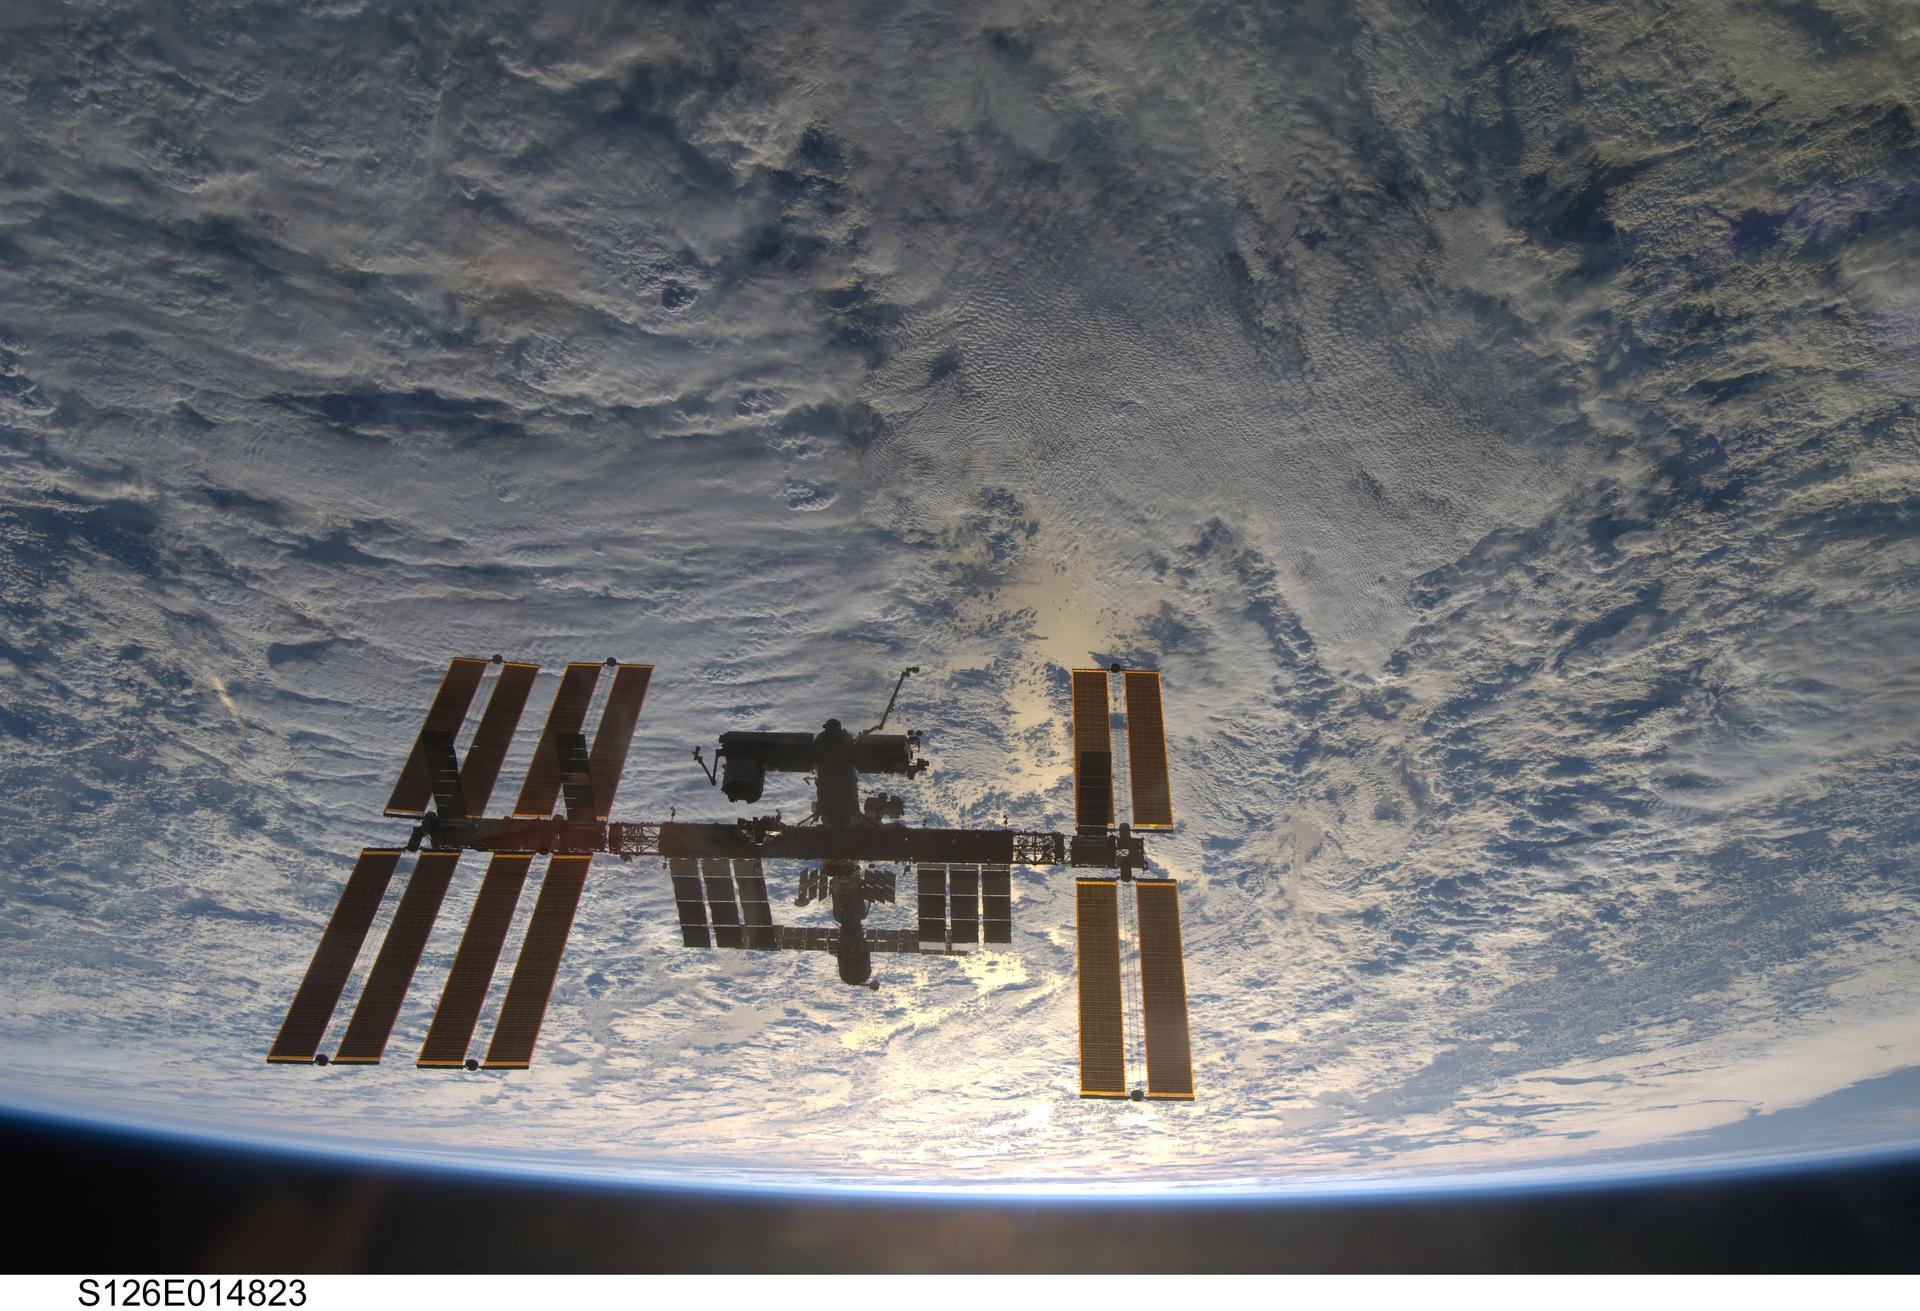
(99, 1203)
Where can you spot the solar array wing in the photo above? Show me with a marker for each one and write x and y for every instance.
(1103, 1051)
(754, 907)
(688, 904)
(933, 903)
(481, 769)
(963, 902)
(448, 711)
(443, 772)
(718, 876)
(813, 886)
(533, 973)
(473, 963)
(1092, 751)
(326, 977)
(996, 904)
(615, 734)
(1163, 991)
(372, 1023)
(1147, 751)
(576, 778)
(542, 788)
(795, 937)
(892, 940)
(878, 885)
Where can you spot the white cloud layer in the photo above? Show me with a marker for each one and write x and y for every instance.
(1498, 424)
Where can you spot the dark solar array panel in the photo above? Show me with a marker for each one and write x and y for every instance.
(533, 973)
(443, 773)
(542, 787)
(792, 937)
(448, 711)
(615, 734)
(473, 963)
(326, 977)
(481, 769)
(393, 968)
(996, 904)
(933, 903)
(576, 779)
(688, 902)
(1147, 751)
(878, 886)
(1103, 1052)
(754, 907)
(1092, 751)
(963, 902)
(1163, 991)
(721, 905)
(893, 940)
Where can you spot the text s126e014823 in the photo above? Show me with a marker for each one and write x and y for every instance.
(186, 1292)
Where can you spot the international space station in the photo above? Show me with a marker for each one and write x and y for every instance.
(962, 877)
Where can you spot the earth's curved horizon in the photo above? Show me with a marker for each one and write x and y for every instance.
(1498, 424)
(615, 1176)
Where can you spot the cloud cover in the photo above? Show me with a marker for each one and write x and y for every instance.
(1498, 423)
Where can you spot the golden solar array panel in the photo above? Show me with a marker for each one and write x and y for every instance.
(542, 788)
(1103, 1048)
(1163, 991)
(754, 906)
(688, 903)
(1147, 751)
(326, 977)
(473, 963)
(721, 905)
(533, 973)
(393, 968)
(445, 715)
(615, 734)
(481, 769)
(1092, 751)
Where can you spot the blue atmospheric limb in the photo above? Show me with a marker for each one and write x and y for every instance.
(728, 1182)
